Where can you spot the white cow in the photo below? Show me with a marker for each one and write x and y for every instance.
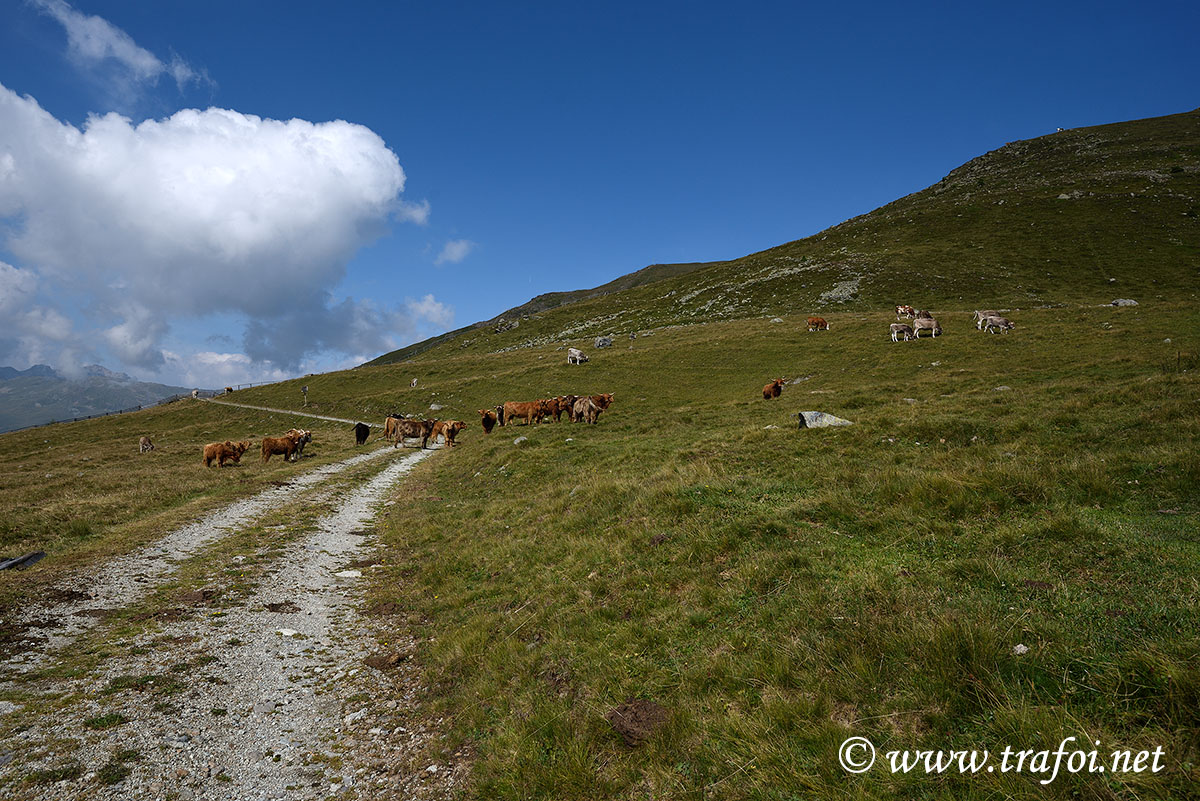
(925, 324)
(576, 356)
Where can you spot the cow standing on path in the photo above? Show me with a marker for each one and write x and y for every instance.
(361, 432)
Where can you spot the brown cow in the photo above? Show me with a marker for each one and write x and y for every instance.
(285, 445)
(520, 409)
(565, 404)
(489, 420)
(817, 324)
(303, 437)
(145, 445)
(549, 407)
(413, 429)
(773, 389)
(448, 429)
(225, 451)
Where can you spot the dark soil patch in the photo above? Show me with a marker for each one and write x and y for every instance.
(385, 661)
(202, 597)
(384, 609)
(637, 720)
(283, 606)
(59, 595)
(659, 539)
(168, 615)
(359, 563)
(1038, 585)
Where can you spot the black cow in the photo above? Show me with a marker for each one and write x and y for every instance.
(361, 432)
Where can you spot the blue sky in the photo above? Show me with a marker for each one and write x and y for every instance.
(539, 147)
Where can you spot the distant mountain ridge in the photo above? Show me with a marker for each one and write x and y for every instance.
(40, 394)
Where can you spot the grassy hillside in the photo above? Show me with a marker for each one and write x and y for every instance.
(549, 300)
(996, 231)
(779, 590)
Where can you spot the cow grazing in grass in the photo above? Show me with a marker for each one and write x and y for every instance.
(576, 356)
(521, 410)
(1000, 324)
(901, 330)
(923, 314)
(448, 429)
(817, 324)
(228, 390)
(222, 452)
(925, 324)
(489, 419)
(773, 389)
(361, 432)
(413, 429)
(905, 311)
(980, 316)
(145, 445)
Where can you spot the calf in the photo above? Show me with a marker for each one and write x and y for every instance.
(448, 429)
(773, 389)
(925, 324)
(489, 420)
(145, 445)
(1001, 324)
(905, 311)
(225, 451)
(817, 324)
(576, 356)
(303, 437)
(901, 330)
(980, 316)
(361, 432)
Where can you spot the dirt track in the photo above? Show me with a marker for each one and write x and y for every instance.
(259, 695)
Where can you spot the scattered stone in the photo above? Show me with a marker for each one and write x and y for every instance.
(283, 606)
(1020, 650)
(8, 706)
(603, 342)
(264, 707)
(349, 574)
(1124, 302)
(286, 632)
(820, 420)
(767, 428)
(776, 319)
(436, 407)
(354, 717)
(1001, 388)
(519, 440)
(911, 400)
(637, 720)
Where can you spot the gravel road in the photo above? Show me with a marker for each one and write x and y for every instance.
(268, 698)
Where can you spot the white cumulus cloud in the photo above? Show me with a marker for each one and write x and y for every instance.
(204, 213)
(455, 251)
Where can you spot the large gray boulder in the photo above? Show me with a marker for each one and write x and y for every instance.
(820, 420)
(603, 342)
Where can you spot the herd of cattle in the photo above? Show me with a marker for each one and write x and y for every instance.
(988, 320)
(290, 446)
(578, 408)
